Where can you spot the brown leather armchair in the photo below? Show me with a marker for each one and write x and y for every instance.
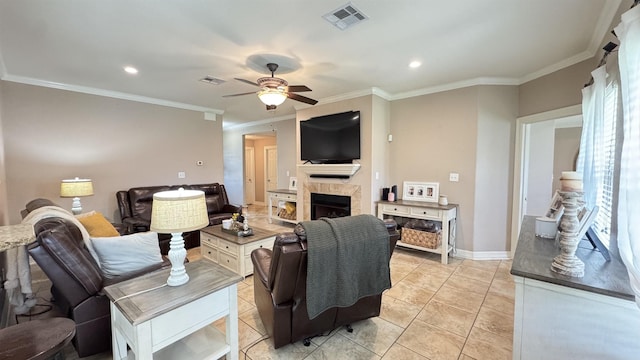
(77, 281)
(280, 291)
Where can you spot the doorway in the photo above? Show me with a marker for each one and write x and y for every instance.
(255, 166)
(270, 168)
(249, 175)
(528, 188)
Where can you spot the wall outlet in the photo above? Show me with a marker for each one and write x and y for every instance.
(454, 177)
(181, 175)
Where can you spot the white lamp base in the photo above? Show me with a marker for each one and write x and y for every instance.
(76, 208)
(177, 254)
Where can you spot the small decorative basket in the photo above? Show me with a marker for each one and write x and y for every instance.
(282, 213)
(421, 233)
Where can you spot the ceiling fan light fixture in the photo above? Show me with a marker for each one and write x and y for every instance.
(272, 97)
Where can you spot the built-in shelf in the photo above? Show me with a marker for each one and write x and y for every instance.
(329, 169)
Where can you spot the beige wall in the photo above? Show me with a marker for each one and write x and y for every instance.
(4, 218)
(497, 113)
(363, 177)
(52, 134)
(557, 90)
(381, 148)
(434, 135)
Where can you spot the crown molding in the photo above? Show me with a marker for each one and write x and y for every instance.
(257, 122)
(603, 25)
(587, 54)
(347, 96)
(455, 85)
(109, 93)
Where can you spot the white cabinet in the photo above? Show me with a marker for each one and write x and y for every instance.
(559, 317)
(446, 215)
(275, 196)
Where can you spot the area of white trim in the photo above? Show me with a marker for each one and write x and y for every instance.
(454, 86)
(109, 93)
(483, 255)
(329, 169)
(587, 54)
(258, 122)
(603, 24)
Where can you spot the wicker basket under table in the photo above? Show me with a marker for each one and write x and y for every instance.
(429, 240)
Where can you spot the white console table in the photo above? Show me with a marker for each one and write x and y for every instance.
(561, 317)
(176, 322)
(278, 195)
(429, 211)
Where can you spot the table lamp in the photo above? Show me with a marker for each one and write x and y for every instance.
(76, 188)
(175, 212)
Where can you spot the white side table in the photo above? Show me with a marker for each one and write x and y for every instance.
(175, 322)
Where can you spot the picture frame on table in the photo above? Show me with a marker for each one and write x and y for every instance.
(293, 183)
(420, 191)
(556, 208)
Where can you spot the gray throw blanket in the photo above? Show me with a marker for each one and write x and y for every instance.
(348, 259)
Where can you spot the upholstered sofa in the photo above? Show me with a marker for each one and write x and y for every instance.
(280, 291)
(77, 280)
(135, 209)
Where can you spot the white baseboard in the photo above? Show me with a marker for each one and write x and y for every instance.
(483, 255)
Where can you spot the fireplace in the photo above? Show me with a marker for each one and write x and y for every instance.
(330, 206)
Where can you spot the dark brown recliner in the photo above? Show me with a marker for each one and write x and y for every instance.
(280, 291)
(77, 281)
(135, 210)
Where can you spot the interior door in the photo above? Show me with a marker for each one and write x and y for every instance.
(249, 175)
(271, 168)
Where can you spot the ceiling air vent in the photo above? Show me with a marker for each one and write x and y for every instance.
(345, 16)
(211, 80)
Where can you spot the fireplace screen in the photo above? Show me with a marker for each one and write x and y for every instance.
(331, 206)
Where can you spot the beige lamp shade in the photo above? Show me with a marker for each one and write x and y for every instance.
(76, 187)
(178, 211)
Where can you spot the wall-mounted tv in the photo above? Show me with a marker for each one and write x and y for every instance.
(331, 139)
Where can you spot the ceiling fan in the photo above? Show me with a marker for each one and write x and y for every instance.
(274, 91)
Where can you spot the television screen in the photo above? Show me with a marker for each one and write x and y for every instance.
(331, 139)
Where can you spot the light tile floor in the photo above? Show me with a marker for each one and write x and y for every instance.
(463, 310)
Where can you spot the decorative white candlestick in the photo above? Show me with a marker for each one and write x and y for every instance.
(567, 263)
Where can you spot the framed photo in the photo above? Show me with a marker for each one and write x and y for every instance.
(293, 183)
(420, 191)
(556, 208)
(587, 218)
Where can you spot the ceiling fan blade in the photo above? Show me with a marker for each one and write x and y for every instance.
(297, 88)
(247, 82)
(301, 98)
(232, 95)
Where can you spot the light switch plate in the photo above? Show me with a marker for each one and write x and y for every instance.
(454, 177)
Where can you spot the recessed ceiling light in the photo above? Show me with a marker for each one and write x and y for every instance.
(415, 64)
(130, 70)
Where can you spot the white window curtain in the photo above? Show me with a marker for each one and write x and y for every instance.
(629, 194)
(591, 141)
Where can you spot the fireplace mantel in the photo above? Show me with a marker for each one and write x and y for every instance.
(329, 169)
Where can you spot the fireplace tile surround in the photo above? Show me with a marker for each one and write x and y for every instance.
(354, 191)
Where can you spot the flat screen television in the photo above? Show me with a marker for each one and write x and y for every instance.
(331, 139)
